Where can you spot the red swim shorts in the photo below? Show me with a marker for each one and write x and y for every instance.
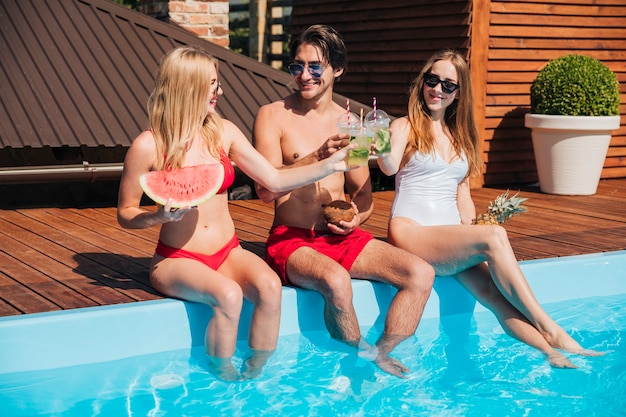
(284, 240)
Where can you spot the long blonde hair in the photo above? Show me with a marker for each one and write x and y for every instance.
(459, 116)
(178, 106)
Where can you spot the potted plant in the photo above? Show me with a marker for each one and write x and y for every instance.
(574, 104)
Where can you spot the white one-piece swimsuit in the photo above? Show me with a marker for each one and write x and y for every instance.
(426, 189)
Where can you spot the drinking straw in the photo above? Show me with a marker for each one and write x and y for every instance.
(348, 110)
(374, 108)
(361, 118)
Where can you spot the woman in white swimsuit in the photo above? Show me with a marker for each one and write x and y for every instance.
(434, 152)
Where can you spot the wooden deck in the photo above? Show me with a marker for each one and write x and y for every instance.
(63, 258)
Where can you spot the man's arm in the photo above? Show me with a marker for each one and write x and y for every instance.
(359, 187)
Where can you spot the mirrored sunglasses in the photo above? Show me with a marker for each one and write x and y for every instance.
(316, 70)
(447, 87)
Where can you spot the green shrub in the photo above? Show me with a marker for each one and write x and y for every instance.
(575, 85)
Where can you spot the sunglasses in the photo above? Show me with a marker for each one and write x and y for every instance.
(316, 70)
(447, 87)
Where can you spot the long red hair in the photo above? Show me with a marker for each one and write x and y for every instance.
(459, 117)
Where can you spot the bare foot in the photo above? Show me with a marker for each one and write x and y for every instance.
(255, 363)
(558, 360)
(367, 351)
(223, 369)
(565, 342)
(391, 366)
(588, 352)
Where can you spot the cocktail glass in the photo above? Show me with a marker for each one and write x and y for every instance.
(347, 122)
(377, 121)
(359, 156)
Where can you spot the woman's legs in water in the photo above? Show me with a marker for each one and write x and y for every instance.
(191, 280)
(262, 287)
(456, 248)
(478, 282)
(242, 274)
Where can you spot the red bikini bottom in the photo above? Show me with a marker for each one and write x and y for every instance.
(212, 261)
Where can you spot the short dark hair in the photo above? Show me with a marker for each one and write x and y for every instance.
(328, 40)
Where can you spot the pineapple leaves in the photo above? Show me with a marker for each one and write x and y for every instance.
(502, 209)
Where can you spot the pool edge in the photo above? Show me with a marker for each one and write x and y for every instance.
(95, 334)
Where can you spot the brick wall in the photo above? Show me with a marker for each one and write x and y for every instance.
(206, 18)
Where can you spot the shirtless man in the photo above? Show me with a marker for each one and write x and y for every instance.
(303, 248)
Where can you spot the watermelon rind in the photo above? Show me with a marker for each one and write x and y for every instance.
(187, 186)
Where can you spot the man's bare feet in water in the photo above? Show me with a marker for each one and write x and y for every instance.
(391, 366)
(380, 358)
(255, 363)
(223, 369)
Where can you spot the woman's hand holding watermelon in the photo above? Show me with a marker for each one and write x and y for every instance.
(173, 214)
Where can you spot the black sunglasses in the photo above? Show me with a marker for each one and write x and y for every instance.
(447, 87)
(316, 70)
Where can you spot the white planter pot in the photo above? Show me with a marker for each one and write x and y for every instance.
(570, 151)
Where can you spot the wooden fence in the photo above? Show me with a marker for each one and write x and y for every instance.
(506, 42)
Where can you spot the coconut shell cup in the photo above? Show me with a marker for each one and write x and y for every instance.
(338, 210)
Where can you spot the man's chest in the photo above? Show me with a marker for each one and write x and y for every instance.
(298, 142)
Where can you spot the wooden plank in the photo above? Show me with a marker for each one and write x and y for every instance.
(70, 239)
(503, 42)
(7, 309)
(18, 298)
(121, 278)
(548, 54)
(65, 295)
(86, 236)
(556, 19)
(108, 216)
(83, 225)
(53, 259)
(585, 8)
(478, 62)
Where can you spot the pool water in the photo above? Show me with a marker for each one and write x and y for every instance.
(147, 359)
(461, 365)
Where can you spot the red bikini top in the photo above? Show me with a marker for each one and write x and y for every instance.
(229, 172)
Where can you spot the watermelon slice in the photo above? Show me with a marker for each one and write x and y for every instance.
(187, 187)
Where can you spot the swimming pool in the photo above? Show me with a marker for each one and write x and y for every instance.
(147, 358)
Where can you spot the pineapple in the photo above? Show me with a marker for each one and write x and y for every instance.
(502, 209)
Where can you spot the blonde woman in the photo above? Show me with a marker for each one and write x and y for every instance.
(434, 152)
(198, 257)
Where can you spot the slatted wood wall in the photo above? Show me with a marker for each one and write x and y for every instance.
(387, 41)
(506, 43)
(522, 37)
